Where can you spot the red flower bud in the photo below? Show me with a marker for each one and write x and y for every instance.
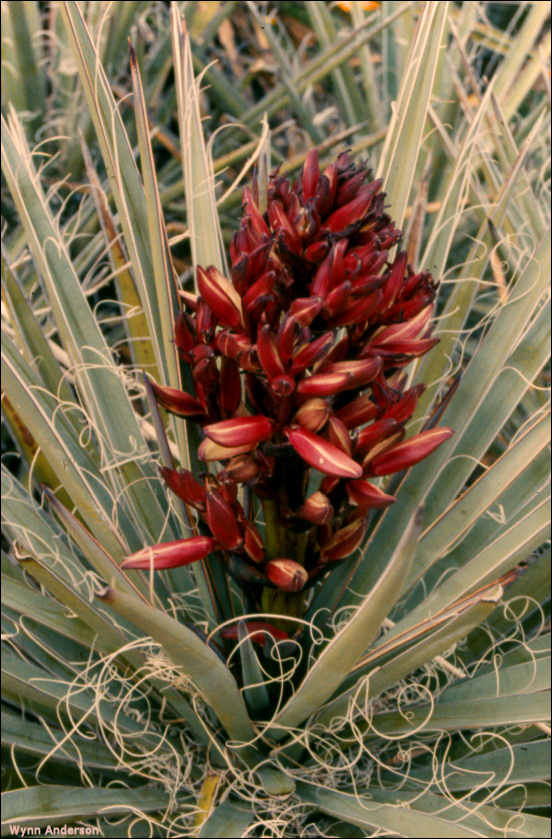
(313, 414)
(208, 450)
(322, 455)
(241, 469)
(305, 309)
(222, 521)
(367, 495)
(281, 224)
(240, 431)
(360, 372)
(311, 352)
(412, 348)
(355, 210)
(267, 351)
(409, 452)
(185, 485)
(382, 446)
(220, 296)
(232, 345)
(324, 384)
(358, 310)
(345, 541)
(286, 337)
(317, 509)
(338, 435)
(257, 221)
(394, 281)
(405, 407)
(376, 431)
(337, 299)
(317, 252)
(403, 331)
(259, 289)
(286, 574)
(171, 554)
(177, 401)
(184, 337)
(358, 411)
(311, 175)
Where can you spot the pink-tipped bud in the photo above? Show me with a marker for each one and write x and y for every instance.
(338, 435)
(345, 541)
(286, 574)
(171, 554)
(323, 384)
(409, 452)
(177, 401)
(358, 412)
(253, 544)
(311, 175)
(222, 521)
(317, 509)
(367, 496)
(322, 455)
(208, 450)
(376, 431)
(185, 485)
(220, 296)
(313, 414)
(240, 431)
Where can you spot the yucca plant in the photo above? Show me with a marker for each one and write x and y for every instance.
(275, 557)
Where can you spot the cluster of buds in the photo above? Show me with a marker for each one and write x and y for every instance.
(297, 363)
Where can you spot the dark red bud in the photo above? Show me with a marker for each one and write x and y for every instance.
(410, 452)
(185, 485)
(222, 521)
(177, 401)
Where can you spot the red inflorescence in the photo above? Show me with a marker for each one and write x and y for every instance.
(297, 365)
